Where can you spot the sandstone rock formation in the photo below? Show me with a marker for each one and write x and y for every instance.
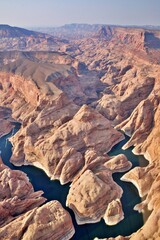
(89, 198)
(117, 73)
(118, 163)
(14, 38)
(131, 102)
(20, 214)
(16, 194)
(5, 121)
(63, 149)
(114, 213)
(56, 134)
(149, 231)
(48, 69)
(49, 221)
(93, 194)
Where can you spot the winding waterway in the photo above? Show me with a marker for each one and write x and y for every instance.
(54, 191)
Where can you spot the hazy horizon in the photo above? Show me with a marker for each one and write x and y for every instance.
(50, 13)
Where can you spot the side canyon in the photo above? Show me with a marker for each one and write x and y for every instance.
(75, 99)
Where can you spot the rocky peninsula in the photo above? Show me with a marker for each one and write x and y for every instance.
(73, 105)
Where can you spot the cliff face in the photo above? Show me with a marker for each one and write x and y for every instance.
(49, 221)
(5, 121)
(68, 104)
(21, 216)
(16, 200)
(131, 103)
(56, 134)
(7, 31)
(14, 38)
(53, 71)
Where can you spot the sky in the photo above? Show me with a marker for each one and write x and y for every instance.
(43, 13)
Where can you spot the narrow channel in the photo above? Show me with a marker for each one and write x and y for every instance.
(53, 190)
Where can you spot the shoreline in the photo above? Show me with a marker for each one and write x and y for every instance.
(80, 229)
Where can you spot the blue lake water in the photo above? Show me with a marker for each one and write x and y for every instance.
(54, 191)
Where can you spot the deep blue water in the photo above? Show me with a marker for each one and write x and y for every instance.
(54, 191)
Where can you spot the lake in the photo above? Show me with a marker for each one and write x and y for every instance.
(54, 191)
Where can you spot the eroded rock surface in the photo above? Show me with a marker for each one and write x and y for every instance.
(5, 121)
(116, 72)
(21, 216)
(49, 221)
(56, 134)
(114, 213)
(133, 109)
(17, 195)
(93, 193)
(15, 38)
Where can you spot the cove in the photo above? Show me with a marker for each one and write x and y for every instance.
(54, 191)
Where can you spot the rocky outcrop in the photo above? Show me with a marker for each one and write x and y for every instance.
(49, 221)
(88, 196)
(7, 31)
(56, 135)
(14, 38)
(70, 142)
(53, 69)
(114, 213)
(17, 195)
(5, 121)
(21, 216)
(144, 119)
(60, 153)
(129, 66)
(149, 231)
(118, 163)
(104, 33)
(145, 138)
(121, 99)
(143, 127)
(68, 148)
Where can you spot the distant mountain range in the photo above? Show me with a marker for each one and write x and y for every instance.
(54, 39)
(14, 32)
(83, 30)
(15, 38)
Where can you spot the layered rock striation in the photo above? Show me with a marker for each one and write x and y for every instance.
(131, 103)
(49, 221)
(56, 135)
(15, 38)
(21, 216)
(128, 63)
(117, 73)
(5, 121)
(17, 194)
(93, 193)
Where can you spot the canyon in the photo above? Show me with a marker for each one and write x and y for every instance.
(23, 217)
(75, 99)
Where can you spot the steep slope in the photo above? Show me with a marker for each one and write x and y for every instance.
(45, 68)
(117, 73)
(20, 210)
(56, 133)
(131, 102)
(79, 30)
(7, 31)
(14, 38)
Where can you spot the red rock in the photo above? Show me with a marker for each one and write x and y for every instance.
(49, 221)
